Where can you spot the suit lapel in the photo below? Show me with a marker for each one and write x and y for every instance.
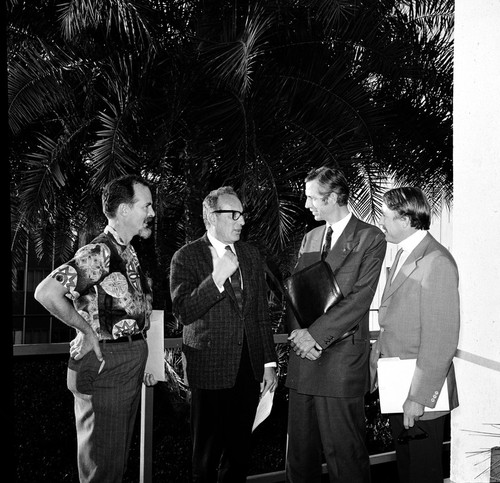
(244, 267)
(344, 245)
(229, 289)
(410, 265)
(404, 272)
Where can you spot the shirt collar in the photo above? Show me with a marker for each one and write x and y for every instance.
(111, 231)
(339, 226)
(409, 244)
(220, 247)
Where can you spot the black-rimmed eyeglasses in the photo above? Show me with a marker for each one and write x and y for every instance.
(235, 215)
(408, 435)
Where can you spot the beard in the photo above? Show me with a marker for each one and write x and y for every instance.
(146, 231)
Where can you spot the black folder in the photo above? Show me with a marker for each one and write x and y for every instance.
(311, 292)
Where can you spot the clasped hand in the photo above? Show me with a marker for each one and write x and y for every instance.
(304, 345)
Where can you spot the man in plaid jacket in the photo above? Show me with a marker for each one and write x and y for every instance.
(219, 295)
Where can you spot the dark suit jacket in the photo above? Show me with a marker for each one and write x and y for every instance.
(419, 318)
(356, 260)
(213, 323)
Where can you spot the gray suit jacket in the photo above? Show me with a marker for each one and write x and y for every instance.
(214, 325)
(419, 318)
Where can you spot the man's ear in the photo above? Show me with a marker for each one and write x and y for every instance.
(211, 217)
(332, 197)
(123, 209)
(405, 220)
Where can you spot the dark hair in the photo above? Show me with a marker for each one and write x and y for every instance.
(210, 203)
(332, 181)
(118, 191)
(411, 202)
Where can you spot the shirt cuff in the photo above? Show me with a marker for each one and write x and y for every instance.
(221, 289)
(270, 364)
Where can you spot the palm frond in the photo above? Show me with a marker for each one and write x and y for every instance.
(233, 63)
(35, 86)
(121, 17)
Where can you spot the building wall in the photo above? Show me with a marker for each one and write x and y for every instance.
(476, 238)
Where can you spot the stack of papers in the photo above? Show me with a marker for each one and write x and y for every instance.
(394, 380)
(264, 408)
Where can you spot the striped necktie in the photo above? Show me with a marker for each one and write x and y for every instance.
(236, 281)
(394, 266)
(327, 244)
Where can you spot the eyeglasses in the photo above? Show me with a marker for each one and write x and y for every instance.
(410, 434)
(235, 215)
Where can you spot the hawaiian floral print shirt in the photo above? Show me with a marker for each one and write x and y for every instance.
(114, 303)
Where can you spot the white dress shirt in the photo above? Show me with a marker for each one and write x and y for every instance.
(220, 248)
(337, 228)
(408, 245)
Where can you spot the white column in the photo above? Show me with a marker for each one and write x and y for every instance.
(476, 236)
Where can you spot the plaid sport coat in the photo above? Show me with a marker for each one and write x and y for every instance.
(214, 326)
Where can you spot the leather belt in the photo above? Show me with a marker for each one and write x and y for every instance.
(125, 338)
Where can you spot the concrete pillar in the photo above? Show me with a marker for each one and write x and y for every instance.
(476, 237)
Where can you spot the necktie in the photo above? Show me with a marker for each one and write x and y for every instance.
(328, 242)
(394, 266)
(236, 281)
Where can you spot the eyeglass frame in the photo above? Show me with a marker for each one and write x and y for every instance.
(405, 438)
(235, 214)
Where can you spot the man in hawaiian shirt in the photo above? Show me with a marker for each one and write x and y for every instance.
(103, 293)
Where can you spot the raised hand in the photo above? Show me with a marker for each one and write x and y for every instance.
(224, 266)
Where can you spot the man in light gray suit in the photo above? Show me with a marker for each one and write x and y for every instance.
(419, 319)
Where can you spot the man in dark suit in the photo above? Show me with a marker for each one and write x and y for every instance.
(328, 376)
(419, 319)
(219, 295)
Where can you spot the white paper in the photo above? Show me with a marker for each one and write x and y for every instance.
(394, 380)
(264, 408)
(155, 339)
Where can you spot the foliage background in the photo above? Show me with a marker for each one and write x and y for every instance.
(196, 94)
(193, 95)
